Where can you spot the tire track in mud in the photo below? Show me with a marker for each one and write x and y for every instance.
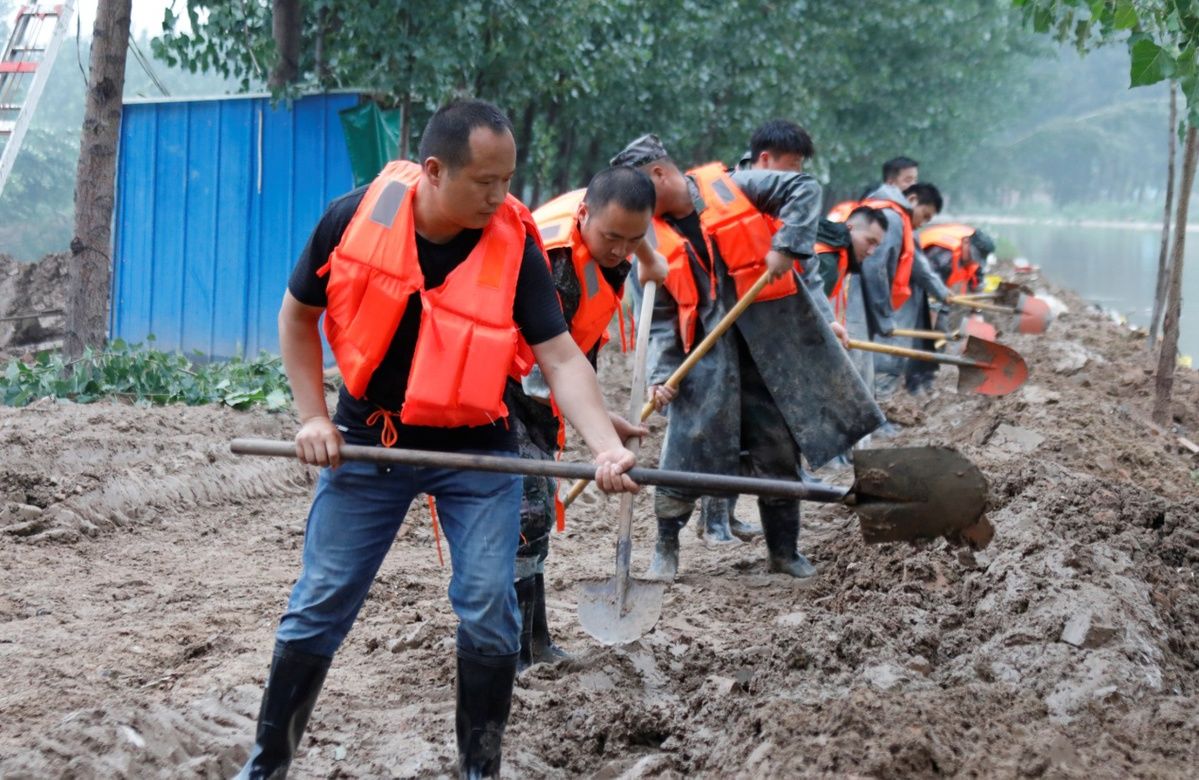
(134, 498)
(205, 738)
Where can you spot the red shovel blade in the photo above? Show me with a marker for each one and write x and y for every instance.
(1001, 370)
(975, 325)
(1035, 315)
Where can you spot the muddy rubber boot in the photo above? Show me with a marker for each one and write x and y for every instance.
(526, 597)
(544, 651)
(743, 530)
(292, 686)
(781, 526)
(484, 699)
(665, 565)
(713, 525)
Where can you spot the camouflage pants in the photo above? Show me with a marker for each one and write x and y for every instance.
(536, 510)
(767, 447)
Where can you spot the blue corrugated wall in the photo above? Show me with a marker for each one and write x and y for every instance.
(215, 199)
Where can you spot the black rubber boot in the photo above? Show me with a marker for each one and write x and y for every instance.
(743, 530)
(714, 515)
(526, 596)
(484, 699)
(780, 522)
(291, 689)
(665, 565)
(544, 649)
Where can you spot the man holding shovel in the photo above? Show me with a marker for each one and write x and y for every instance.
(589, 236)
(778, 380)
(434, 290)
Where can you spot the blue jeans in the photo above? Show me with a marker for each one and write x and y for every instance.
(355, 515)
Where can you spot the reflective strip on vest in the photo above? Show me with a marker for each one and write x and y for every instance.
(680, 282)
(839, 295)
(557, 222)
(741, 232)
(901, 285)
(952, 237)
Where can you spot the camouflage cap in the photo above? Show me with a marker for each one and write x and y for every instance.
(641, 151)
(982, 244)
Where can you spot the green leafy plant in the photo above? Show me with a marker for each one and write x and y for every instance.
(146, 376)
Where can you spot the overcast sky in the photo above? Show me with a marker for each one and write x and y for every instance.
(147, 15)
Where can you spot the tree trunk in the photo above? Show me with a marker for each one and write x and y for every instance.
(524, 140)
(89, 282)
(1159, 292)
(566, 150)
(1167, 360)
(405, 126)
(285, 28)
(320, 57)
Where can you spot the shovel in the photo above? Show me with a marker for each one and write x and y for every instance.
(984, 367)
(675, 379)
(621, 609)
(930, 335)
(976, 326)
(1034, 313)
(902, 494)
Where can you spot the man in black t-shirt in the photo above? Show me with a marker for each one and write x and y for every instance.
(437, 233)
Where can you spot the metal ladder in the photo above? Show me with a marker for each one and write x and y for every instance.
(37, 34)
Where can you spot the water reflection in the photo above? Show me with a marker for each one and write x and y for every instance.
(1114, 267)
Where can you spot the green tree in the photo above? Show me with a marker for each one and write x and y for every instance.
(581, 77)
(1162, 37)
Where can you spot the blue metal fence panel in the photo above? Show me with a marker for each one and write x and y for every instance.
(215, 199)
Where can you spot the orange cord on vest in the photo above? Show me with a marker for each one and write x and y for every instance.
(436, 529)
(389, 436)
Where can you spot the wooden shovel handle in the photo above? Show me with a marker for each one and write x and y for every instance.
(958, 300)
(915, 354)
(931, 335)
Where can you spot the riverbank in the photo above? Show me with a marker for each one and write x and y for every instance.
(143, 568)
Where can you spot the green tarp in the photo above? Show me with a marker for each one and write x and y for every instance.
(372, 139)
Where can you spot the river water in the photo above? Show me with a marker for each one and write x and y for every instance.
(1114, 266)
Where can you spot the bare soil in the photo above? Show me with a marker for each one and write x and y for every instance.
(143, 568)
(36, 289)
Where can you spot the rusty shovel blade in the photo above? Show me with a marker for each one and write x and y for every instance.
(997, 370)
(1035, 314)
(912, 493)
(975, 325)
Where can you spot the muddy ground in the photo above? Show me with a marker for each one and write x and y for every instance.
(32, 296)
(143, 568)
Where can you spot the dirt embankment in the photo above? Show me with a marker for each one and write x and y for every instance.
(31, 289)
(142, 570)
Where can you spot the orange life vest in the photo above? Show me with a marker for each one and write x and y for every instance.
(952, 237)
(679, 280)
(741, 232)
(901, 285)
(598, 302)
(842, 210)
(839, 295)
(743, 235)
(468, 343)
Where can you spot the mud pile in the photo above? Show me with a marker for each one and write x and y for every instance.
(30, 289)
(136, 618)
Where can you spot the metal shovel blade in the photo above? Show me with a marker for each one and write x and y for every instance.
(975, 325)
(618, 624)
(1035, 315)
(1000, 370)
(912, 493)
(1010, 293)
